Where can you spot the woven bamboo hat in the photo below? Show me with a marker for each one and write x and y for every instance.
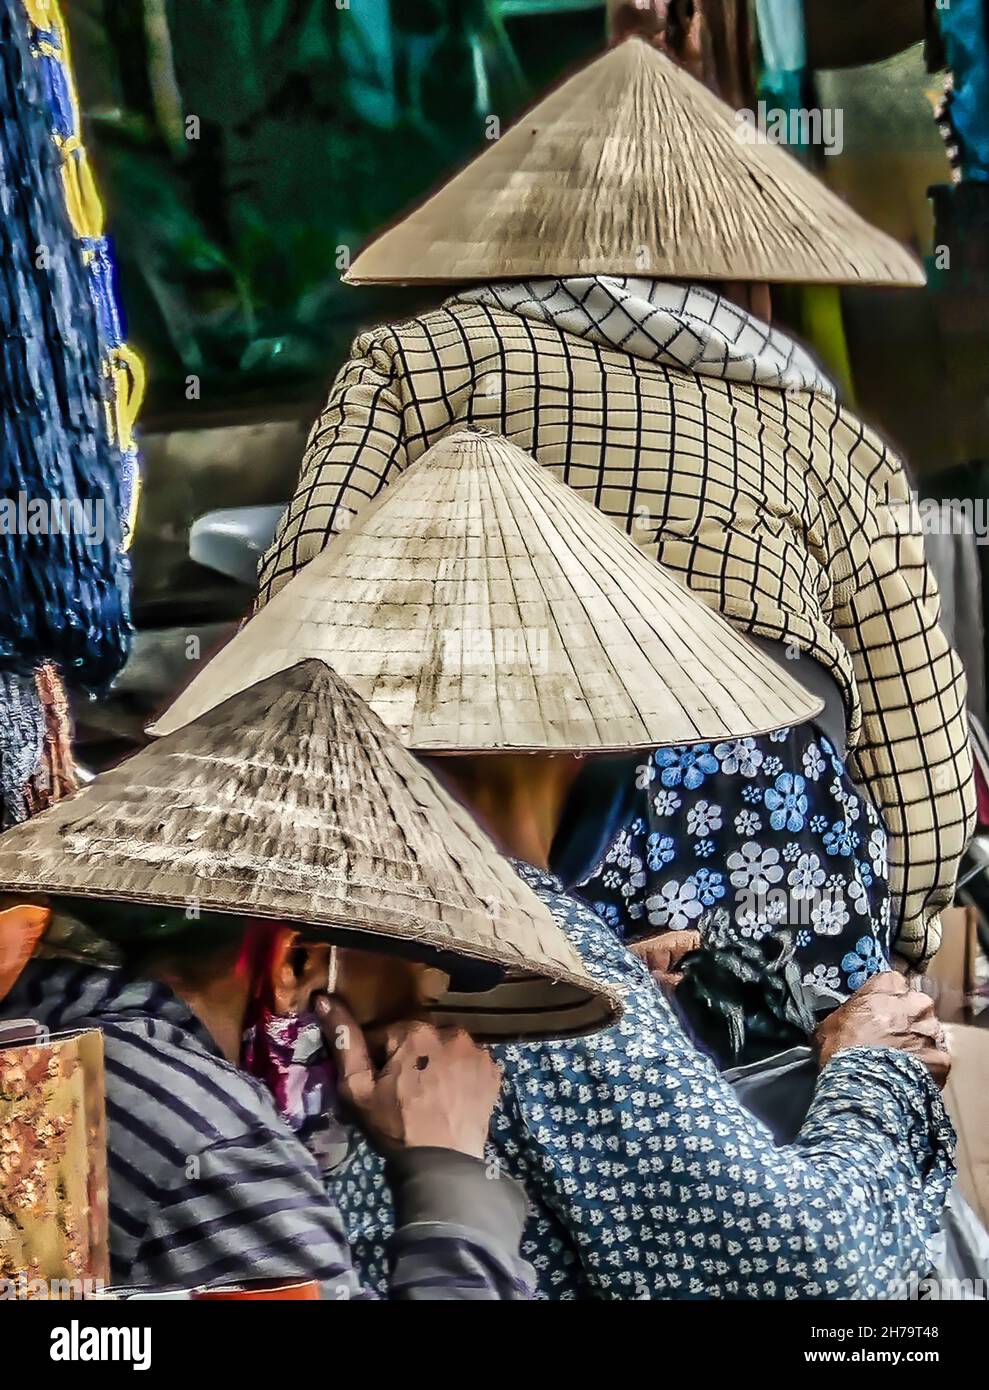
(632, 167)
(291, 801)
(480, 604)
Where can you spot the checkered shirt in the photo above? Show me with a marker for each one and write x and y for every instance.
(776, 506)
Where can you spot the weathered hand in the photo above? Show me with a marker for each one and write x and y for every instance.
(435, 1087)
(661, 955)
(886, 1012)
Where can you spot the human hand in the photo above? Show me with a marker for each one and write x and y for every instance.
(661, 955)
(435, 1088)
(886, 1012)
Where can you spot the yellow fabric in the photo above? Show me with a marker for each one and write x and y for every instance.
(824, 329)
(780, 509)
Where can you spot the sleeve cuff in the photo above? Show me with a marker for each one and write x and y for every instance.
(441, 1185)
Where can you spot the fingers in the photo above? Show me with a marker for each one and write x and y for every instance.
(931, 1028)
(662, 954)
(655, 956)
(887, 982)
(937, 1062)
(346, 1045)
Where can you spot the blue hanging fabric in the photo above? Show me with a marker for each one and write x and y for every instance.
(63, 480)
(780, 25)
(964, 117)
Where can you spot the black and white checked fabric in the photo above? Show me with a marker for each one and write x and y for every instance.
(777, 507)
(687, 326)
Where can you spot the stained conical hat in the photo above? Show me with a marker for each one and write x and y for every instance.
(633, 167)
(481, 604)
(292, 802)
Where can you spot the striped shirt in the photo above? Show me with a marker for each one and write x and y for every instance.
(209, 1186)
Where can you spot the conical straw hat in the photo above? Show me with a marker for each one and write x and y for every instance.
(481, 604)
(292, 802)
(632, 167)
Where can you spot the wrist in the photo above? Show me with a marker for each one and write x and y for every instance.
(446, 1137)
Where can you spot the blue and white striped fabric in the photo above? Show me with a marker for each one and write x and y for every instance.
(208, 1185)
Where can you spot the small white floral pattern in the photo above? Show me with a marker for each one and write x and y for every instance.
(665, 803)
(703, 817)
(675, 906)
(813, 763)
(646, 1178)
(755, 868)
(829, 916)
(806, 876)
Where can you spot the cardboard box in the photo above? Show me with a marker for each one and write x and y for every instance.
(950, 977)
(967, 1098)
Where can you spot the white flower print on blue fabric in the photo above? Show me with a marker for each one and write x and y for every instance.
(739, 756)
(710, 886)
(806, 877)
(813, 763)
(605, 1130)
(772, 766)
(829, 916)
(787, 803)
(703, 817)
(779, 735)
(665, 803)
(858, 897)
(687, 764)
(687, 842)
(841, 839)
(676, 905)
(823, 976)
(755, 868)
(753, 925)
(636, 878)
(877, 853)
(862, 963)
(660, 849)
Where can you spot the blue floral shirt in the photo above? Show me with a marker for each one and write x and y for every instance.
(770, 835)
(648, 1179)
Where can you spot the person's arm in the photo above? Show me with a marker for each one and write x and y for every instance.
(254, 1208)
(427, 1105)
(354, 448)
(913, 757)
(704, 1203)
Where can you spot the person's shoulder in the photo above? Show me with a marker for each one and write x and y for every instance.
(601, 949)
(159, 1080)
(838, 429)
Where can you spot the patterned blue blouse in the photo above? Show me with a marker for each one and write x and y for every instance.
(769, 838)
(648, 1179)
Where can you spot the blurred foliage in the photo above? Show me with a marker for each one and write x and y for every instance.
(246, 147)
